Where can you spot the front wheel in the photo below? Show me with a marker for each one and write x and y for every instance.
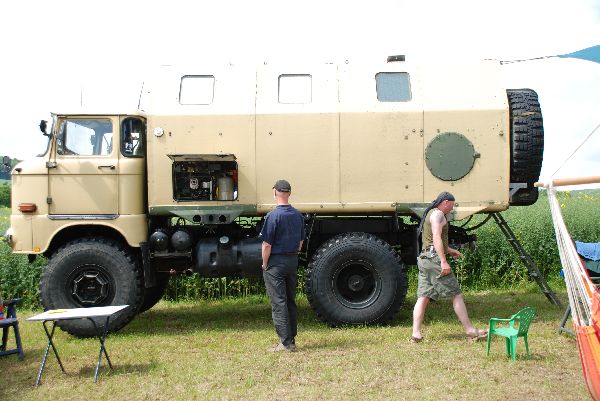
(92, 272)
(356, 278)
(154, 294)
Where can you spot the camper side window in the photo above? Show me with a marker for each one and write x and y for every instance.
(295, 88)
(85, 137)
(393, 86)
(197, 89)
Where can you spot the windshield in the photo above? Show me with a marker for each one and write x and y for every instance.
(85, 137)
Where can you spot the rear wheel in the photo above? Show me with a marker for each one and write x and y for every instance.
(527, 143)
(92, 272)
(356, 278)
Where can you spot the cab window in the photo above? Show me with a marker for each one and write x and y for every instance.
(85, 137)
(132, 137)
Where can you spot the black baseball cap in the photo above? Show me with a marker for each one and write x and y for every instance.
(282, 186)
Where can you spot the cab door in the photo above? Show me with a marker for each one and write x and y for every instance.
(83, 169)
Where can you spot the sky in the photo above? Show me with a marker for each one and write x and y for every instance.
(56, 55)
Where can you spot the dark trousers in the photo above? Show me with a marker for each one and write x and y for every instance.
(280, 280)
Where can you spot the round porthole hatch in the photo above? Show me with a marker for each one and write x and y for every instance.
(450, 156)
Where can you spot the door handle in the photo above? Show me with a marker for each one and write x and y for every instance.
(111, 166)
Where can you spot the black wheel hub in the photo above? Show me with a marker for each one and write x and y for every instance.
(90, 286)
(356, 284)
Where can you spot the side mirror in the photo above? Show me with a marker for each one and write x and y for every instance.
(43, 127)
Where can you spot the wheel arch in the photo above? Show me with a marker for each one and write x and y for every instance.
(72, 232)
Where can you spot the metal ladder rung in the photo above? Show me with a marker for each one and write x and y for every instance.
(526, 258)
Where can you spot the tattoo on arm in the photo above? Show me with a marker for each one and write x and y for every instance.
(437, 217)
(438, 221)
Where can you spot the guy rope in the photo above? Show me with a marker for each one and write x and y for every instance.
(584, 296)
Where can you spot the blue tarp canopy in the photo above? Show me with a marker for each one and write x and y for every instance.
(590, 54)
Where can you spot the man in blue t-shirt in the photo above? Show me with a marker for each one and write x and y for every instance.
(282, 234)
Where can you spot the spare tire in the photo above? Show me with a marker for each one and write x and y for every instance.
(526, 143)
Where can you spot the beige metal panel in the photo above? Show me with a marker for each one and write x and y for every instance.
(487, 130)
(298, 141)
(234, 90)
(335, 208)
(201, 134)
(158, 163)
(75, 189)
(20, 232)
(224, 126)
(132, 181)
(132, 194)
(381, 143)
(469, 99)
(462, 86)
(30, 185)
(302, 149)
(134, 228)
(35, 166)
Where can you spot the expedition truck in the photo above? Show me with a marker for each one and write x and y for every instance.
(121, 201)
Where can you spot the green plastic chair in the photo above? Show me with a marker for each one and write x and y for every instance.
(522, 319)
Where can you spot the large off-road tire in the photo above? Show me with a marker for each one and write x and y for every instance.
(527, 143)
(153, 294)
(356, 278)
(92, 272)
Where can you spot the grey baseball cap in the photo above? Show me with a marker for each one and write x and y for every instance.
(282, 186)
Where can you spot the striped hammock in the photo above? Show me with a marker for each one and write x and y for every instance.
(584, 299)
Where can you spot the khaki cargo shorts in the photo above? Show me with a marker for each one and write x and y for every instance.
(430, 284)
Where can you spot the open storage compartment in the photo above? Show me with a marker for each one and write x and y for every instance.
(204, 177)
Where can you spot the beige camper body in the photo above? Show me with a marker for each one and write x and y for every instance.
(119, 202)
(344, 150)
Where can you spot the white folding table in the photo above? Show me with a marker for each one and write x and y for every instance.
(57, 315)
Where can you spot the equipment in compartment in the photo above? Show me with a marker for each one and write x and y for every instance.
(204, 177)
(225, 188)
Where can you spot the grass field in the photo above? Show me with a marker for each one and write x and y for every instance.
(216, 350)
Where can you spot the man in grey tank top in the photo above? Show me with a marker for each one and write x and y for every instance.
(436, 279)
